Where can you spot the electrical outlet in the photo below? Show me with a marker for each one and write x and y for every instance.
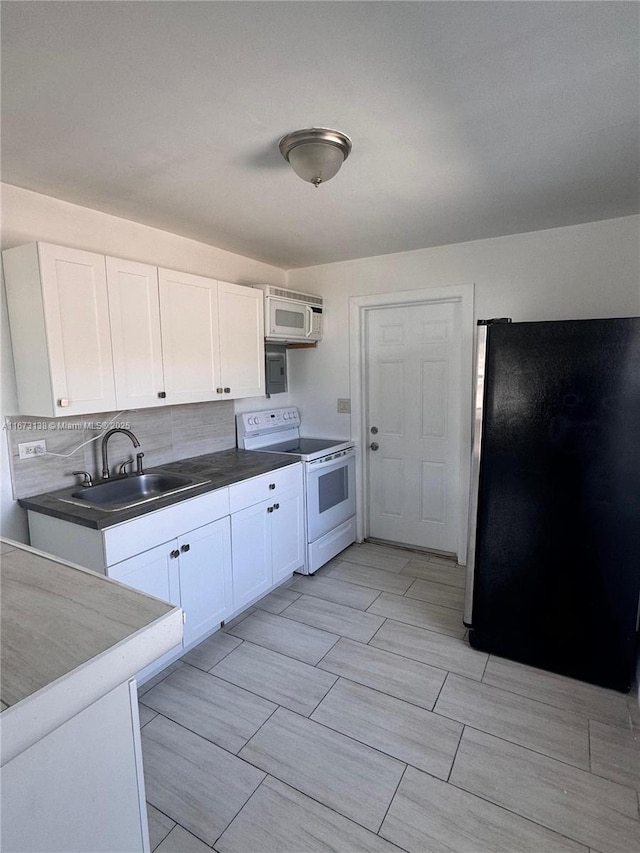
(31, 449)
(344, 405)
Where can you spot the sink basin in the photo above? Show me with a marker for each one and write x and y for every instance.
(129, 491)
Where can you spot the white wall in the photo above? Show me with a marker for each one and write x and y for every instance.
(580, 272)
(28, 216)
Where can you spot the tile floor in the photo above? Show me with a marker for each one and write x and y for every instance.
(346, 712)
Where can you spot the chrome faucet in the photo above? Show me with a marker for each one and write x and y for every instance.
(105, 459)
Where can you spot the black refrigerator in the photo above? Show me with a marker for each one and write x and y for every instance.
(553, 569)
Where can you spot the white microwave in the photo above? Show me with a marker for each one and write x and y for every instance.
(291, 317)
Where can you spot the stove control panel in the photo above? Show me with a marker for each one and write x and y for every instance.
(271, 420)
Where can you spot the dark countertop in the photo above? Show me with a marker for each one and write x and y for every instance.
(220, 469)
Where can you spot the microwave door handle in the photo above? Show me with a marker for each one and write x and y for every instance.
(309, 321)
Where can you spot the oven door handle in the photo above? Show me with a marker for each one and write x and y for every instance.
(319, 464)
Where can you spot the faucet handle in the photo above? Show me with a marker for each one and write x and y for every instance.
(123, 467)
(87, 477)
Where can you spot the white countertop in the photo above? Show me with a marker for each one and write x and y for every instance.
(69, 635)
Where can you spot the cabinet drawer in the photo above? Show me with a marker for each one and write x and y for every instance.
(132, 537)
(264, 487)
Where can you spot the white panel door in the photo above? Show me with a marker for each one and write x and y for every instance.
(205, 578)
(134, 311)
(191, 347)
(413, 385)
(241, 340)
(74, 293)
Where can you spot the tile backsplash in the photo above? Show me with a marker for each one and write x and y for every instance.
(166, 434)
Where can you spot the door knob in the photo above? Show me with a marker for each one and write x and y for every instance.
(374, 445)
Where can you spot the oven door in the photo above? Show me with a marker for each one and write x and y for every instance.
(331, 498)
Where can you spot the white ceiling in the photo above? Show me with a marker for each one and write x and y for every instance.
(468, 120)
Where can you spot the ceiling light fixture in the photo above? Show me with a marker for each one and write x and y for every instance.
(315, 153)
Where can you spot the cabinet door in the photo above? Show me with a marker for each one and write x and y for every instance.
(134, 312)
(287, 534)
(241, 340)
(190, 343)
(205, 578)
(155, 572)
(59, 319)
(76, 313)
(251, 553)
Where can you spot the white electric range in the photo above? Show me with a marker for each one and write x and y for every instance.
(329, 477)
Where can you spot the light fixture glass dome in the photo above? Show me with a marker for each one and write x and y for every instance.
(316, 153)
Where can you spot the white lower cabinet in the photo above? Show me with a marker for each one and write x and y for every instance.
(251, 554)
(212, 555)
(181, 554)
(205, 578)
(154, 572)
(267, 535)
(192, 571)
(287, 535)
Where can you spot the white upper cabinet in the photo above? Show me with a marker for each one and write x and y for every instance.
(134, 312)
(59, 319)
(189, 318)
(94, 334)
(241, 340)
(212, 338)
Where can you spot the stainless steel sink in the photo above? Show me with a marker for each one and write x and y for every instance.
(123, 492)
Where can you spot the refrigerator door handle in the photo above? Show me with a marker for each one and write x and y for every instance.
(481, 354)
